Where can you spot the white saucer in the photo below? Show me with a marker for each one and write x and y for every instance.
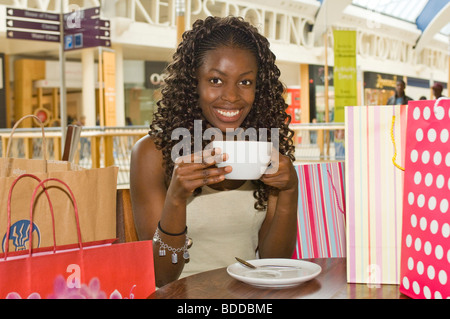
(275, 277)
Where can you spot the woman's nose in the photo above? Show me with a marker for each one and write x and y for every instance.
(230, 93)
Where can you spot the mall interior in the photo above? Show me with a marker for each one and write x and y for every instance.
(366, 197)
(114, 80)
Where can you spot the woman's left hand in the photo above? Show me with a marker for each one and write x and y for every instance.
(281, 173)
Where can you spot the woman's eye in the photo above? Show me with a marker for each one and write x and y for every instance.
(215, 81)
(246, 82)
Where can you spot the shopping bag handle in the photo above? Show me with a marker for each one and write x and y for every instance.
(41, 184)
(335, 193)
(394, 157)
(8, 207)
(436, 104)
(44, 142)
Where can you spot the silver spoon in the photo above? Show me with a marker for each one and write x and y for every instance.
(246, 264)
(249, 265)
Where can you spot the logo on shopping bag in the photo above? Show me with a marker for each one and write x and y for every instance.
(19, 235)
(373, 276)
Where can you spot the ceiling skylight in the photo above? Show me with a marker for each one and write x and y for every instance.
(407, 10)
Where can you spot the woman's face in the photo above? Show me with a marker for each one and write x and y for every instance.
(226, 86)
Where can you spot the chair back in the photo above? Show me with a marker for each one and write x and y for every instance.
(126, 231)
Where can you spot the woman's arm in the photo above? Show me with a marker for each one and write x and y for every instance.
(148, 196)
(277, 234)
(153, 202)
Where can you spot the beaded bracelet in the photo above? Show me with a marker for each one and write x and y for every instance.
(163, 246)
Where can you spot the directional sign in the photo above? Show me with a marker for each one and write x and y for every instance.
(30, 14)
(75, 19)
(80, 40)
(37, 36)
(87, 23)
(82, 28)
(32, 25)
(24, 24)
(83, 14)
(86, 38)
(91, 32)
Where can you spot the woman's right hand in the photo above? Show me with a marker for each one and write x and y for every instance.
(196, 170)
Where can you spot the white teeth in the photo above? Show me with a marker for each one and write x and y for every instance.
(228, 114)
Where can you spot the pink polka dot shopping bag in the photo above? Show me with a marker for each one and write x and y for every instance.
(425, 255)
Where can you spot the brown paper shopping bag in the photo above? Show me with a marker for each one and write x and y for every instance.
(10, 166)
(94, 188)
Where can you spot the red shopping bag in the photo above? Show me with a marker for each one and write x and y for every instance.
(425, 255)
(95, 270)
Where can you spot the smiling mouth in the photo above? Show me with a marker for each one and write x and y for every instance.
(229, 114)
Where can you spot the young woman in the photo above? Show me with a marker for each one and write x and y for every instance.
(224, 75)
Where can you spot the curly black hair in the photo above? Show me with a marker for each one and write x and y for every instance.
(178, 107)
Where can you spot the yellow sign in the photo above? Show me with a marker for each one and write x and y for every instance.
(345, 76)
(109, 89)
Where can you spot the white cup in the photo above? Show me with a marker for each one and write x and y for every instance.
(249, 159)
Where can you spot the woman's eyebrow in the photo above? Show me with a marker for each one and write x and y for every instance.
(223, 73)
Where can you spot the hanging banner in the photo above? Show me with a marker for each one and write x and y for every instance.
(3, 110)
(345, 78)
(109, 78)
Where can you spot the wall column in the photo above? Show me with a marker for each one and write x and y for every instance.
(25, 72)
(304, 92)
(120, 87)
(89, 86)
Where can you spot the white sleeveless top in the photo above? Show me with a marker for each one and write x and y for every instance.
(222, 225)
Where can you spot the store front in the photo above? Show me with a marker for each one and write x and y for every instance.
(318, 104)
(379, 87)
(143, 81)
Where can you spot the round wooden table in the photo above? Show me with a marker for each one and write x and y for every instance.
(330, 284)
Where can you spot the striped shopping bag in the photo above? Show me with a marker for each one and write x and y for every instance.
(321, 215)
(375, 144)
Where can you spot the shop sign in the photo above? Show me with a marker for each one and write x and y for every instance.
(154, 74)
(380, 81)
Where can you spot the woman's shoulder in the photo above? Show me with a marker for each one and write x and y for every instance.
(145, 145)
(145, 151)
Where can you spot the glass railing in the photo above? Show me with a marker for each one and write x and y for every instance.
(103, 147)
(98, 147)
(319, 142)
